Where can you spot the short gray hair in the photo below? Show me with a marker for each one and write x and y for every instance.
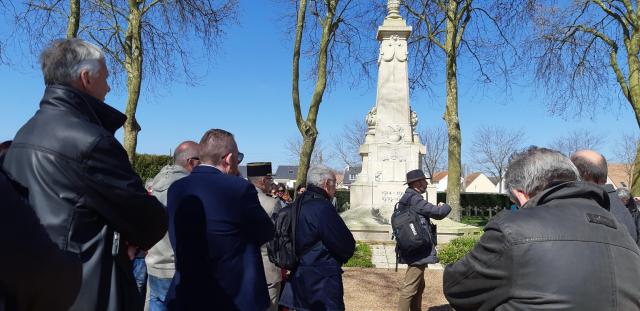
(63, 60)
(536, 169)
(623, 193)
(317, 175)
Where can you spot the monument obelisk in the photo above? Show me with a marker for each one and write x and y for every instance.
(391, 147)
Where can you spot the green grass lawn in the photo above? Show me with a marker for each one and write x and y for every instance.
(361, 257)
(478, 221)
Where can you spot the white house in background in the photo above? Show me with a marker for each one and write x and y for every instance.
(286, 174)
(478, 183)
(440, 179)
(499, 188)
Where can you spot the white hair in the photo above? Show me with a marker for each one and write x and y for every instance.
(535, 169)
(63, 60)
(317, 175)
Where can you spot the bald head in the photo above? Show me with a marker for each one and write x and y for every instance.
(185, 154)
(591, 165)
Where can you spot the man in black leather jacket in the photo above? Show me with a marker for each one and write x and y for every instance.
(80, 183)
(562, 250)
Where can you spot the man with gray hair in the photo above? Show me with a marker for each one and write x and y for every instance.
(593, 168)
(79, 179)
(630, 205)
(323, 243)
(562, 250)
(160, 259)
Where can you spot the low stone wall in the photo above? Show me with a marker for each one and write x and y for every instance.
(381, 234)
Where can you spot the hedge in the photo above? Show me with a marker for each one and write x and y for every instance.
(342, 197)
(148, 165)
(479, 199)
(457, 248)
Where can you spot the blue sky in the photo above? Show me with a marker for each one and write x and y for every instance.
(246, 89)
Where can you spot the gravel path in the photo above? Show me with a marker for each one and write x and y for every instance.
(367, 289)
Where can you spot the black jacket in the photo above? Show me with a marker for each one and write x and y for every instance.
(216, 228)
(416, 201)
(323, 244)
(562, 251)
(621, 212)
(34, 273)
(82, 188)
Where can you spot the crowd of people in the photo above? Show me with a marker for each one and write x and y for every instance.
(78, 224)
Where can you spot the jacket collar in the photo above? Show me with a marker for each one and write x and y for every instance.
(570, 190)
(206, 169)
(89, 107)
(318, 191)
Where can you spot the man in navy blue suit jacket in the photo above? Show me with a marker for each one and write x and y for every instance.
(216, 227)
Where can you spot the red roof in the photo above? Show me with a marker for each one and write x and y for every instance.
(437, 176)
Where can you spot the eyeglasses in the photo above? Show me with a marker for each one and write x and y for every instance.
(240, 157)
(193, 158)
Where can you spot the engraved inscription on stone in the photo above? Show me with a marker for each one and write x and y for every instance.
(391, 197)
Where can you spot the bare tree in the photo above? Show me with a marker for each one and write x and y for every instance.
(294, 147)
(625, 152)
(145, 39)
(492, 146)
(435, 141)
(577, 139)
(347, 144)
(586, 49)
(328, 27)
(483, 29)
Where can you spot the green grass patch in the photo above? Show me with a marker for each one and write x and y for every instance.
(478, 221)
(457, 248)
(361, 257)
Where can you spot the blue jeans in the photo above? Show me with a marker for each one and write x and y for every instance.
(140, 275)
(158, 288)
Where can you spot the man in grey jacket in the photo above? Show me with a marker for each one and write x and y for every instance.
(259, 174)
(160, 259)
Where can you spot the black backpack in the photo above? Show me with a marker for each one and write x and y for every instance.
(408, 230)
(282, 248)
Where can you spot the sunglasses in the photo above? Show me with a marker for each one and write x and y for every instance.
(240, 156)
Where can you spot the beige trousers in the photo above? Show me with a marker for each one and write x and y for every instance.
(274, 294)
(412, 288)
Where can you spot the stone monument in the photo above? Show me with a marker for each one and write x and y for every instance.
(391, 147)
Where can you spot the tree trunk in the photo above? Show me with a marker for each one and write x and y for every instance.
(307, 127)
(451, 117)
(133, 66)
(306, 151)
(634, 99)
(74, 19)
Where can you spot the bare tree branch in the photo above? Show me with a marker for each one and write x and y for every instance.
(576, 140)
(492, 147)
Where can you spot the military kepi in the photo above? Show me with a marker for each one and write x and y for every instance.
(257, 169)
(415, 175)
